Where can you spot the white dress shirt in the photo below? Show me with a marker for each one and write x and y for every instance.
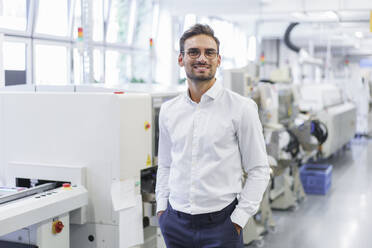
(203, 149)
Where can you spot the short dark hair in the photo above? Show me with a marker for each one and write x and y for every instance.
(198, 29)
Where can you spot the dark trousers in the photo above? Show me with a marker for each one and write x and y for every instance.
(211, 230)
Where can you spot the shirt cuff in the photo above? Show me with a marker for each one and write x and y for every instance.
(161, 204)
(240, 217)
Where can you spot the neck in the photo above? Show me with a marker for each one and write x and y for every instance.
(197, 89)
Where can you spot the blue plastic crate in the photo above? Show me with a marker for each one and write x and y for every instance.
(316, 178)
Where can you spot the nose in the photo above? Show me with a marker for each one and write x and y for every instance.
(202, 57)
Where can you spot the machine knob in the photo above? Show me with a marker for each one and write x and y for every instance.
(91, 238)
(145, 221)
(57, 226)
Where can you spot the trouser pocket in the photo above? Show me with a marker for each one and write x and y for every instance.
(162, 219)
(230, 228)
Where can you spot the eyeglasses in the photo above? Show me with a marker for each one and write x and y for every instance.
(195, 53)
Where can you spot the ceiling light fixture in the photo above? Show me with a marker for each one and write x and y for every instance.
(316, 16)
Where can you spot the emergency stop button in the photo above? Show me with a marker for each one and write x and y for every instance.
(66, 186)
(147, 125)
(57, 227)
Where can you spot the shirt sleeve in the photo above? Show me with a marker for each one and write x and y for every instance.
(164, 162)
(254, 161)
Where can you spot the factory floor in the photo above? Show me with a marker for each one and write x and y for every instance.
(340, 219)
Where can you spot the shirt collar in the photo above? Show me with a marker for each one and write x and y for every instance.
(212, 93)
(215, 90)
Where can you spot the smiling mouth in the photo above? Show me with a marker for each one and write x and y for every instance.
(201, 67)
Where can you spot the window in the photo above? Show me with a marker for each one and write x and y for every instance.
(52, 17)
(143, 27)
(164, 49)
(117, 68)
(13, 14)
(141, 66)
(78, 65)
(98, 20)
(119, 21)
(97, 65)
(77, 20)
(14, 55)
(49, 69)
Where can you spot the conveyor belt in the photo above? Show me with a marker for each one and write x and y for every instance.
(27, 192)
(5, 244)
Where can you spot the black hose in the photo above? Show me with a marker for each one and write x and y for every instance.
(319, 130)
(264, 80)
(287, 40)
(293, 146)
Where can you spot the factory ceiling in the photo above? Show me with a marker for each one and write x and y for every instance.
(343, 24)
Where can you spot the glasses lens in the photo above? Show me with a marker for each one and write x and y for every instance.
(195, 53)
(210, 53)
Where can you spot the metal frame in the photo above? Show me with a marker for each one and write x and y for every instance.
(132, 21)
(71, 22)
(32, 38)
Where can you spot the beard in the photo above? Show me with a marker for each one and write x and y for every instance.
(200, 78)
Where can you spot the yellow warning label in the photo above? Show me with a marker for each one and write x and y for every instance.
(148, 162)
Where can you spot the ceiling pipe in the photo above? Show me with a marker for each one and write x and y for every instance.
(287, 39)
(305, 57)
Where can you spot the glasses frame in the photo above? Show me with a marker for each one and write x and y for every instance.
(205, 54)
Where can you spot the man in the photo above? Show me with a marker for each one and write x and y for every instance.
(207, 137)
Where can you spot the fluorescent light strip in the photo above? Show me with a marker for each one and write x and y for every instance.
(316, 15)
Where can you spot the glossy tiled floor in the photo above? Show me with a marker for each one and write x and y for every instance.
(342, 218)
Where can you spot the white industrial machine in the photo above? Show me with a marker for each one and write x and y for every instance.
(158, 94)
(280, 147)
(91, 140)
(276, 112)
(41, 216)
(262, 222)
(244, 82)
(325, 102)
(241, 80)
(157, 100)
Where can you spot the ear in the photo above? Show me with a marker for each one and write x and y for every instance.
(218, 60)
(180, 60)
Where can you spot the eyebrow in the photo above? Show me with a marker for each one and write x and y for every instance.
(206, 49)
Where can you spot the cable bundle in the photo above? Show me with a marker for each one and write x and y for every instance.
(319, 130)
